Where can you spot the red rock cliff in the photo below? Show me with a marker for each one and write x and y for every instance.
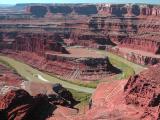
(143, 90)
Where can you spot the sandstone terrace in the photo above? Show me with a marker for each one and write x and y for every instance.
(80, 52)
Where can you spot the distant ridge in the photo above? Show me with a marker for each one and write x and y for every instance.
(6, 5)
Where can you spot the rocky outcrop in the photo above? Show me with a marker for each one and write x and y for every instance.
(63, 94)
(81, 9)
(136, 56)
(107, 102)
(38, 11)
(13, 98)
(60, 9)
(135, 99)
(9, 80)
(89, 9)
(129, 9)
(86, 9)
(19, 104)
(32, 42)
(149, 43)
(143, 91)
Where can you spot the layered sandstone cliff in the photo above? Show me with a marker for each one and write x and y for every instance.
(135, 99)
(20, 105)
(143, 90)
(37, 101)
(90, 9)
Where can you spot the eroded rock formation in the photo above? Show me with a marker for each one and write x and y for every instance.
(136, 32)
(143, 90)
(19, 104)
(9, 80)
(134, 26)
(62, 9)
(37, 101)
(46, 52)
(137, 98)
(32, 42)
(90, 9)
(67, 66)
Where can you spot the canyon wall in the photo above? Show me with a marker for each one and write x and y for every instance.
(79, 9)
(47, 52)
(20, 99)
(129, 9)
(19, 104)
(133, 26)
(143, 90)
(134, 99)
(32, 42)
(90, 9)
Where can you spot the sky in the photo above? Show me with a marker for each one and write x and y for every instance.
(79, 1)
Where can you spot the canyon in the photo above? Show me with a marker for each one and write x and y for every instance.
(134, 99)
(46, 52)
(20, 99)
(72, 43)
(101, 26)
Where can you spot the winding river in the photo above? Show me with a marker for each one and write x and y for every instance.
(32, 74)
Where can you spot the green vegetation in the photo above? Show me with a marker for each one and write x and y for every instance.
(29, 73)
(128, 68)
(82, 97)
(8, 66)
(127, 71)
(137, 68)
(92, 84)
(81, 91)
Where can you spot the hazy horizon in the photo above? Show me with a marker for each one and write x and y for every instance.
(80, 1)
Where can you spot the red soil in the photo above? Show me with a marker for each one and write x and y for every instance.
(81, 53)
(137, 99)
(8, 80)
(69, 68)
(108, 103)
